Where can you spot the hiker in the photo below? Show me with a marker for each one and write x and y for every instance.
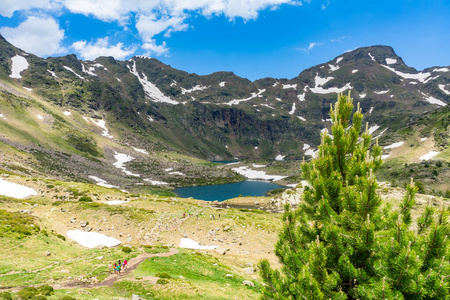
(110, 267)
(118, 269)
(125, 264)
(115, 268)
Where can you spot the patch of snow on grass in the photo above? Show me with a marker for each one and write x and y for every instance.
(419, 76)
(76, 74)
(371, 57)
(150, 118)
(155, 182)
(28, 89)
(293, 109)
(280, 157)
(118, 79)
(92, 239)
(67, 113)
(339, 59)
(140, 150)
(259, 166)
(222, 84)
(372, 129)
(115, 202)
(102, 182)
(102, 125)
(311, 152)
(19, 64)
(423, 139)
(195, 88)
(429, 155)
(301, 118)
(301, 97)
(150, 89)
(53, 73)
(384, 156)
(40, 117)
(362, 95)
(290, 86)
(381, 133)
(371, 110)
(256, 175)
(306, 147)
(390, 61)
(89, 70)
(10, 189)
(394, 145)
(320, 90)
(168, 169)
(278, 99)
(120, 163)
(191, 244)
(381, 92)
(267, 105)
(354, 71)
(442, 87)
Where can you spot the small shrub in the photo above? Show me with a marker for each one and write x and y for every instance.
(163, 275)
(66, 297)
(61, 237)
(85, 199)
(27, 293)
(50, 186)
(40, 297)
(126, 249)
(45, 290)
(439, 164)
(162, 281)
(5, 296)
(435, 173)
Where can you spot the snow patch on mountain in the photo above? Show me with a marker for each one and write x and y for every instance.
(195, 88)
(10, 189)
(256, 175)
(419, 76)
(381, 92)
(394, 145)
(53, 73)
(301, 118)
(140, 150)
(151, 90)
(333, 68)
(371, 109)
(321, 90)
(90, 70)
(390, 61)
(76, 74)
(354, 71)
(289, 86)
(429, 155)
(301, 97)
(433, 100)
(121, 159)
(280, 157)
(254, 95)
(363, 95)
(321, 81)
(102, 182)
(19, 64)
(155, 182)
(442, 87)
(102, 125)
(371, 57)
(339, 59)
(293, 109)
(441, 70)
(306, 146)
(373, 128)
(222, 84)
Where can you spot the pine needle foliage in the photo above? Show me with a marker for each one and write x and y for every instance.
(343, 242)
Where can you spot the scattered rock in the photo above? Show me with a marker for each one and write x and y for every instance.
(249, 264)
(185, 235)
(26, 211)
(136, 297)
(248, 283)
(229, 275)
(129, 239)
(220, 240)
(47, 253)
(83, 223)
(100, 247)
(227, 228)
(88, 228)
(73, 220)
(100, 257)
(249, 270)
(212, 233)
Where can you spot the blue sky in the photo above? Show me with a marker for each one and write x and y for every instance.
(252, 38)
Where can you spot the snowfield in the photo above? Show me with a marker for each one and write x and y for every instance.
(419, 76)
(92, 239)
(253, 174)
(10, 189)
(390, 61)
(429, 155)
(19, 64)
(102, 182)
(76, 74)
(394, 145)
(120, 163)
(191, 244)
(254, 95)
(442, 87)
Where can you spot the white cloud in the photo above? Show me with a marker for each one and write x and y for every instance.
(101, 47)
(153, 49)
(312, 45)
(149, 26)
(8, 7)
(325, 5)
(37, 35)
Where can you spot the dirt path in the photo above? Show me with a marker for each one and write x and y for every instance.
(109, 281)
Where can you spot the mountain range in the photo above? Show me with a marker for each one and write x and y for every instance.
(141, 124)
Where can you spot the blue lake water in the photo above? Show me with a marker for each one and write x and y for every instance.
(221, 192)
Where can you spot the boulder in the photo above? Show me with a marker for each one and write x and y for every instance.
(248, 283)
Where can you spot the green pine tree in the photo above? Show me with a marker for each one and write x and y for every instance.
(343, 242)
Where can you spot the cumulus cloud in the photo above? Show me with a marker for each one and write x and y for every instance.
(101, 47)
(8, 7)
(149, 26)
(155, 50)
(37, 35)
